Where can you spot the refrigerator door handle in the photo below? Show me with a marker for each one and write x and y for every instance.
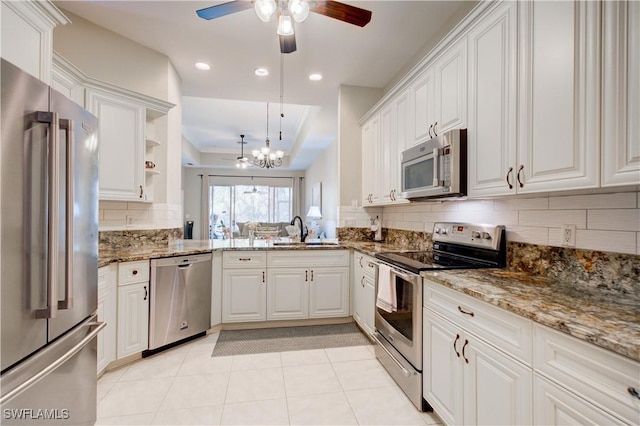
(67, 303)
(51, 118)
(8, 396)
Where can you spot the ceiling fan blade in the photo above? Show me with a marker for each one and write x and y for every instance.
(224, 9)
(287, 43)
(343, 12)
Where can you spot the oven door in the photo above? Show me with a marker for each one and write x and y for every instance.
(403, 327)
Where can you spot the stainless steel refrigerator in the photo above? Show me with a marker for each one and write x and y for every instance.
(48, 254)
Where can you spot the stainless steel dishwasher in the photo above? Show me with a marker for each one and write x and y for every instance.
(180, 299)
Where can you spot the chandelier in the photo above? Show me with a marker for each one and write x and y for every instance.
(242, 162)
(263, 157)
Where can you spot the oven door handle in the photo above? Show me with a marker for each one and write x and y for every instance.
(404, 371)
(408, 277)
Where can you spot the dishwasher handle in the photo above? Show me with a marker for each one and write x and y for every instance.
(180, 261)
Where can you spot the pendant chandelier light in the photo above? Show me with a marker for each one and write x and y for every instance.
(263, 157)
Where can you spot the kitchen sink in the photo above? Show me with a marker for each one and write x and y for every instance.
(305, 243)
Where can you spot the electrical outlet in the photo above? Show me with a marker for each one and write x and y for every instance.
(568, 235)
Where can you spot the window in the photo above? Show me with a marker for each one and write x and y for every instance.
(235, 204)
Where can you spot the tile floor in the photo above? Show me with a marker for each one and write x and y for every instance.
(186, 386)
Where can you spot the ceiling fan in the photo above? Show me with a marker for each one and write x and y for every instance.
(288, 11)
(241, 161)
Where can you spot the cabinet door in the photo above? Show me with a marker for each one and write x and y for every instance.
(369, 304)
(450, 72)
(497, 388)
(559, 103)
(328, 292)
(621, 93)
(386, 159)
(492, 103)
(287, 293)
(399, 141)
(442, 373)
(370, 146)
(555, 405)
(244, 293)
(422, 110)
(357, 289)
(107, 308)
(133, 319)
(121, 143)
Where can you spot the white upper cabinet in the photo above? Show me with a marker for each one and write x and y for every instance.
(421, 115)
(121, 143)
(370, 154)
(621, 93)
(559, 96)
(439, 96)
(450, 73)
(27, 35)
(492, 102)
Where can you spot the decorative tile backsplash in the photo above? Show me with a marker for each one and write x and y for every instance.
(608, 222)
(616, 272)
(137, 238)
(116, 216)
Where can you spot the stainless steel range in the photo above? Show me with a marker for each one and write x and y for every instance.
(398, 318)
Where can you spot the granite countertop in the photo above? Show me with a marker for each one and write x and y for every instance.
(186, 247)
(605, 318)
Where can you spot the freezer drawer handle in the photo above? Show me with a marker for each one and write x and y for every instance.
(54, 365)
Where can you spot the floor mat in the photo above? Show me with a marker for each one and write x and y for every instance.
(285, 339)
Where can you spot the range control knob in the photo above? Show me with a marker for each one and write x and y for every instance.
(475, 234)
(443, 231)
(437, 230)
(486, 236)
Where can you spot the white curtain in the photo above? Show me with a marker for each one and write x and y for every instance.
(298, 197)
(204, 207)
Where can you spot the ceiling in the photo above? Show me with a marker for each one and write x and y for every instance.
(229, 99)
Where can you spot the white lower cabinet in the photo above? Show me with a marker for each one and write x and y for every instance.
(468, 381)
(328, 292)
(107, 312)
(284, 285)
(287, 293)
(133, 308)
(555, 405)
(595, 378)
(364, 291)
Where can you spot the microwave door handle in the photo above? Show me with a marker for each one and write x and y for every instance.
(436, 167)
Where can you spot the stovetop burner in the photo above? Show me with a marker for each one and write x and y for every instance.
(455, 246)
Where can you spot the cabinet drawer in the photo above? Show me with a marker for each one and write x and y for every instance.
(308, 258)
(597, 375)
(507, 331)
(244, 259)
(370, 268)
(133, 272)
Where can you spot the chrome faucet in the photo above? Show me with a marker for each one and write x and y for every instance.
(303, 233)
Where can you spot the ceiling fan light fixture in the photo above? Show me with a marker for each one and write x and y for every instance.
(299, 9)
(285, 25)
(264, 9)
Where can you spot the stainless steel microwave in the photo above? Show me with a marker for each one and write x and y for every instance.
(436, 168)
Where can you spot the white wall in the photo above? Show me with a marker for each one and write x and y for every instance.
(605, 221)
(353, 103)
(324, 170)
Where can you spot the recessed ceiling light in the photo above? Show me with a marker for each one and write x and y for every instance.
(203, 66)
(315, 77)
(261, 72)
